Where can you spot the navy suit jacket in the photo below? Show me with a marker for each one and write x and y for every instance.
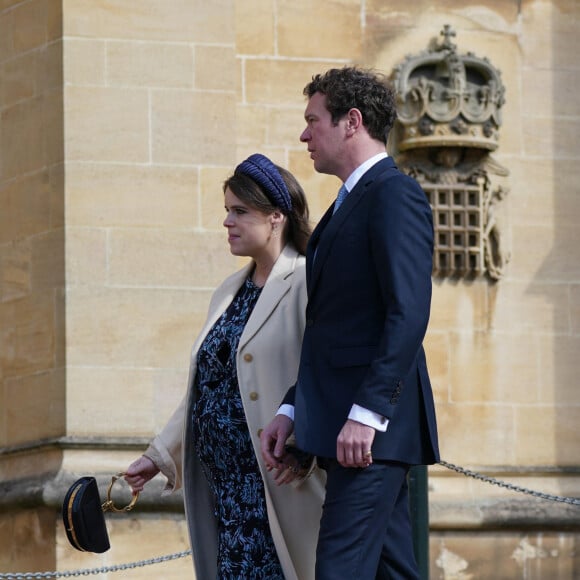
(369, 293)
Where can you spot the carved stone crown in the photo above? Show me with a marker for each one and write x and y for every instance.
(448, 99)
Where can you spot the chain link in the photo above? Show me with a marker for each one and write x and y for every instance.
(519, 489)
(177, 555)
(93, 571)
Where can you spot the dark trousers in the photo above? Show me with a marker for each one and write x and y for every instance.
(365, 530)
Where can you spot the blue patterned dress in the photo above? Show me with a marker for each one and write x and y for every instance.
(222, 441)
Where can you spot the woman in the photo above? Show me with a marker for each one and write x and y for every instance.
(242, 522)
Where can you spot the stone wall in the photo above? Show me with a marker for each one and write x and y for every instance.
(119, 121)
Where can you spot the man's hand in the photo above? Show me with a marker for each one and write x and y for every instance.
(273, 440)
(354, 444)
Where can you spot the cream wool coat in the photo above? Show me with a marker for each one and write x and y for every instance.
(267, 364)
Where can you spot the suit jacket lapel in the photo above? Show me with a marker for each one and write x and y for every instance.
(329, 226)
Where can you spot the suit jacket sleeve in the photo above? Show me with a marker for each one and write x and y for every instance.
(401, 236)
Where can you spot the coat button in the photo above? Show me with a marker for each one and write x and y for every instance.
(260, 432)
(253, 396)
(248, 357)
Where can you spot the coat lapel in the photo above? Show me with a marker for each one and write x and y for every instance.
(276, 286)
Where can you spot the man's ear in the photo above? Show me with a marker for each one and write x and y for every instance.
(354, 120)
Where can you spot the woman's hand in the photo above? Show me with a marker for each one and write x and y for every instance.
(140, 472)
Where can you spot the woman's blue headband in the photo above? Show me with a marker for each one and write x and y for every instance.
(259, 168)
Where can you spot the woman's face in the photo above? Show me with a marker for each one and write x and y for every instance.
(249, 230)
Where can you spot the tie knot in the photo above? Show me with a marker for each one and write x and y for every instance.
(342, 193)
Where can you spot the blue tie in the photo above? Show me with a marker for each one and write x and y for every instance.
(342, 193)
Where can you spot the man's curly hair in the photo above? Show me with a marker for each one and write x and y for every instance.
(363, 89)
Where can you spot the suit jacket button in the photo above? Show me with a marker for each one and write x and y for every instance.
(254, 396)
(309, 322)
(248, 357)
(260, 432)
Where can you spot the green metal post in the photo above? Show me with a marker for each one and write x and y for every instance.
(419, 509)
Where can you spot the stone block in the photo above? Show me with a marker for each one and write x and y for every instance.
(491, 14)
(133, 327)
(528, 307)
(551, 134)
(547, 434)
(550, 93)
(15, 267)
(54, 18)
(253, 125)
(575, 309)
(460, 305)
(543, 192)
(86, 256)
(122, 402)
(107, 124)
(30, 25)
(478, 434)
(321, 190)
(215, 68)
(559, 370)
(180, 21)
(22, 145)
(110, 195)
(77, 53)
(53, 122)
(212, 213)
(280, 82)
(26, 203)
(181, 135)
(47, 265)
(159, 535)
(255, 27)
(6, 36)
(149, 64)
(18, 79)
(342, 40)
(549, 34)
(482, 373)
(27, 335)
(285, 125)
(28, 538)
(503, 555)
(56, 195)
(37, 406)
(546, 254)
(438, 352)
(162, 258)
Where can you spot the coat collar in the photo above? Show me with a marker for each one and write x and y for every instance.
(276, 286)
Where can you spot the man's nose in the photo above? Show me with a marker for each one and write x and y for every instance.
(305, 136)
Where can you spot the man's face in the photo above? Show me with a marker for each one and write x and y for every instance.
(323, 139)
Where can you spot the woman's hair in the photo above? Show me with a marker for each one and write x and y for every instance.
(351, 87)
(298, 230)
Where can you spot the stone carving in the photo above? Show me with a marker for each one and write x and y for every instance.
(449, 115)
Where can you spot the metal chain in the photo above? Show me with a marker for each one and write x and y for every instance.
(493, 481)
(177, 555)
(92, 571)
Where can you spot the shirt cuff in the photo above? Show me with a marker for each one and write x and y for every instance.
(287, 410)
(368, 417)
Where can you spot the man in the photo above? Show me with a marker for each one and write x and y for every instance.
(362, 402)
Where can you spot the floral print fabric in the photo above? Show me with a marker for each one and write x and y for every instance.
(222, 441)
